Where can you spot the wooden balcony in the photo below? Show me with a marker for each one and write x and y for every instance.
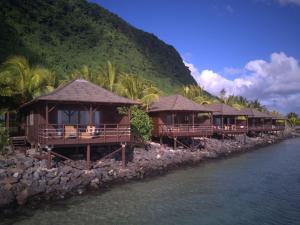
(183, 130)
(230, 129)
(55, 134)
(266, 128)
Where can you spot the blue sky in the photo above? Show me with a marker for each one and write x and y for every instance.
(227, 38)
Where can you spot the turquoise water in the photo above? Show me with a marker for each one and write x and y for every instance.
(260, 187)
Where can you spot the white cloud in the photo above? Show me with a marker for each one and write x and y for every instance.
(285, 2)
(275, 83)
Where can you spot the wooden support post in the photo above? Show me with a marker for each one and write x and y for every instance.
(47, 114)
(88, 157)
(7, 120)
(193, 121)
(245, 138)
(90, 114)
(123, 156)
(161, 141)
(49, 159)
(175, 143)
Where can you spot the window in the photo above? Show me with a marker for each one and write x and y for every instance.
(67, 117)
(84, 117)
(169, 119)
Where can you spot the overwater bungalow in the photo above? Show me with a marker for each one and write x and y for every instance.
(78, 114)
(176, 116)
(278, 122)
(228, 120)
(263, 122)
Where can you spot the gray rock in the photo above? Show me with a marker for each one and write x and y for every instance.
(6, 197)
(22, 197)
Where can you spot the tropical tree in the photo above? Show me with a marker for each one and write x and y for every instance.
(84, 72)
(196, 93)
(137, 88)
(19, 79)
(223, 95)
(293, 118)
(108, 76)
(257, 105)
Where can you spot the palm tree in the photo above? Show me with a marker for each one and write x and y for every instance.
(137, 88)
(223, 95)
(20, 79)
(108, 76)
(257, 105)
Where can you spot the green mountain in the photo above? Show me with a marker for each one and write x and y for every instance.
(66, 34)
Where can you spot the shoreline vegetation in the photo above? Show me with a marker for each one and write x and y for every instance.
(25, 179)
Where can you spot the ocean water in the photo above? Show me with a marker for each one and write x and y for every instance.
(259, 187)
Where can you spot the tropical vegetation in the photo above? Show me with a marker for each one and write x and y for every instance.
(64, 35)
(293, 118)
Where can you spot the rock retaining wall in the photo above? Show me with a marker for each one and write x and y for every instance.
(25, 178)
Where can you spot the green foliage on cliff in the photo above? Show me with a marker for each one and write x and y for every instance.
(64, 35)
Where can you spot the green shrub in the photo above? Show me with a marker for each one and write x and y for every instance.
(141, 124)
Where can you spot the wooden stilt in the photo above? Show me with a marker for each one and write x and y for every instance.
(244, 138)
(175, 143)
(88, 157)
(7, 121)
(49, 160)
(123, 156)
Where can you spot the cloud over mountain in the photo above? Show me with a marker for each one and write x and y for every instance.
(276, 83)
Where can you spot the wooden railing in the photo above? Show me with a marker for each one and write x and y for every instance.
(231, 128)
(75, 133)
(184, 130)
(266, 127)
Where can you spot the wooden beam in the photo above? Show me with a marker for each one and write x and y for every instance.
(88, 157)
(47, 115)
(90, 114)
(175, 143)
(123, 156)
(7, 120)
(49, 160)
(52, 108)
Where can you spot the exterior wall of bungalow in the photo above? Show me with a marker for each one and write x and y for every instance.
(176, 116)
(75, 124)
(230, 124)
(181, 124)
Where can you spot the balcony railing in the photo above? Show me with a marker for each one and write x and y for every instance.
(231, 128)
(77, 134)
(184, 130)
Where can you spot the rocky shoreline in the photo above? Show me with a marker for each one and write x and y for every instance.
(25, 178)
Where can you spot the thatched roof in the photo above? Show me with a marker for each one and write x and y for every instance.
(80, 90)
(254, 113)
(176, 103)
(276, 117)
(223, 109)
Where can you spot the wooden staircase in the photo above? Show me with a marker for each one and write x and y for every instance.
(19, 142)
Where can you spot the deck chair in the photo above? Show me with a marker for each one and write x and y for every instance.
(89, 132)
(70, 131)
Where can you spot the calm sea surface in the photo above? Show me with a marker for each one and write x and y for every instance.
(260, 187)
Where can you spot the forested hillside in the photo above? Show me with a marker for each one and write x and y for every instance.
(66, 34)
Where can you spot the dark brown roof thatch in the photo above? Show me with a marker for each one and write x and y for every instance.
(276, 117)
(176, 103)
(80, 90)
(254, 113)
(223, 109)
